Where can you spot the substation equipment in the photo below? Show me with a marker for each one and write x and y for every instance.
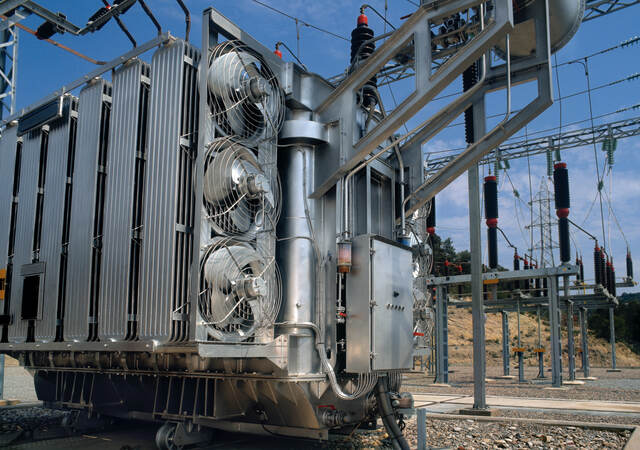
(220, 239)
(532, 288)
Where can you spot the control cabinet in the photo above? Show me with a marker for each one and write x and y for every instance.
(379, 306)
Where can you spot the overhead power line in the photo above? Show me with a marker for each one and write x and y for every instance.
(300, 21)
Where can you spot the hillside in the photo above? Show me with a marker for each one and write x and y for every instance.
(460, 340)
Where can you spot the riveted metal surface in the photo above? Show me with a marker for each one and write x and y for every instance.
(76, 319)
(51, 244)
(25, 222)
(166, 247)
(124, 142)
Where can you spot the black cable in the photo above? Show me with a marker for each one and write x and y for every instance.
(121, 24)
(279, 43)
(306, 24)
(151, 16)
(187, 19)
(365, 6)
(507, 239)
(582, 229)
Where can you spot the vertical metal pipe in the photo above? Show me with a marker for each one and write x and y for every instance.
(296, 257)
(556, 372)
(422, 428)
(442, 350)
(505, 343)
(477, 304)
(520, 352)
(585, 343)
(540, 353)
(612, 338)
(570, 343)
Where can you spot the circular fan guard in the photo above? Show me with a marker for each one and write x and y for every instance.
(239, 199)
(240, 290)
(244, 95)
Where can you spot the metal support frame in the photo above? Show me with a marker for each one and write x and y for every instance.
(8, 69)
(442, 336)
(544, 272)
(612, 337)
(599, 8)
(520, 353)
(554, 325)
(585, 343)
(505, 343)
(570, 341)
(521, 148)
(341, 103)
(540, 353)
(60, 20)
(475, 245)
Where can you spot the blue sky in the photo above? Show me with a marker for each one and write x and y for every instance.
(43, 68)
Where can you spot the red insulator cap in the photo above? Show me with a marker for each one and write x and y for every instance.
(492, 223)
(597, 248)
(446, 263)
(562, 212)
(560, 165)
(431, 230)
(278, 53)
(490, 178)
(363, 20)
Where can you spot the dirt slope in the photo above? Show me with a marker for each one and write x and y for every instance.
(460, 340)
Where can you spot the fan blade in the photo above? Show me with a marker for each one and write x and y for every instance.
(241, 216)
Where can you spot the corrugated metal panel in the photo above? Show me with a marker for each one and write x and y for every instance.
(25, 222)
(51, 244)
(8, 147)
(118, 261)
(167, 240)
(83, 209)
(8, 205)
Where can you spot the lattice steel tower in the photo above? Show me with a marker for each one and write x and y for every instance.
(542, 225)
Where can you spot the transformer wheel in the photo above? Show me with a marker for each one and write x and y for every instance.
(165, 437)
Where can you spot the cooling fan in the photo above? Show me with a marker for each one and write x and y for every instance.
(245, 97)
(239, 198)
(423, 319)
(239, 290)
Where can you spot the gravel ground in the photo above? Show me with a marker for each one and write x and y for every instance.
(610, 386)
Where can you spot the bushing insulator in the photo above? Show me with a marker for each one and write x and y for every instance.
(361, 51)
(492, 239)
(490, 198)
(581, 267)
(431, 218)
(563, 241)
(469, 78)
(596, 264)
(613, 279)
(603, 267)
(561, 186)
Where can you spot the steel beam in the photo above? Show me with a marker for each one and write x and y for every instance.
(505, 343)
(341, 104)
(612, 338)
(570, 342)
(585, 342)
(544, 272)
(554, 325)
(442, 338)
(521, 148)
(599, 8)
